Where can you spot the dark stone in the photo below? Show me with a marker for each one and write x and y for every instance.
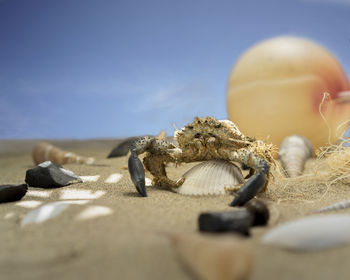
(50, 175)
(259, 210)
(10, 193)
(122, 148)
(238, 221)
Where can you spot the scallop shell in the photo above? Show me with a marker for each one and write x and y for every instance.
(311, 233)
(293, 153)
(214, 257)
(43, 151)
(211, 177)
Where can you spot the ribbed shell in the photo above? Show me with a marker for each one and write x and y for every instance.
(293, 153)
(210, 177)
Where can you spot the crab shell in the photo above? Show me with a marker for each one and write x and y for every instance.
(276, 88)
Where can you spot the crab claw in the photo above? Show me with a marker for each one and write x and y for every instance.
(137, 173)
(252, 187)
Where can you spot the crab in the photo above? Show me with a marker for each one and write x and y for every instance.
(204, 139)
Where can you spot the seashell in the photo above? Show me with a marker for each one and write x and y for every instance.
(311, 233)
(211, 177)
(293, 153)
(333, 207)
(213, 257)
(93, 212)
(282, 81)
(43, 151)
(49, 211)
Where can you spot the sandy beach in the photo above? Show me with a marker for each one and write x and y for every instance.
(128, 243)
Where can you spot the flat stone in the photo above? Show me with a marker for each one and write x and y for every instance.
(239, 221)
(9, 193)
(50, 175)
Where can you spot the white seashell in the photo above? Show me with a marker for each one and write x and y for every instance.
(311, 233)
(43, 151)
(81, 194)
(29, 203)
(293, 153)
(333, 207)
(48, 211)
(92, 178)
(214, 257)
(210, 177)
(113, 178)
(93, 212)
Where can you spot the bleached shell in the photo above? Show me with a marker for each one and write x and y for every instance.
(210, 177)
(311, 233)
(293, 153)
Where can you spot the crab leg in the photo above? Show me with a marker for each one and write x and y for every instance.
(257, 182)
(155, 147)
(137, 173)
(135, 166)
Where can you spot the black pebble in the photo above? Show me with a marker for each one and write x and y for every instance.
(238, 221)
(50, 175)
(122, 148)
(10, 193)
(259, 210)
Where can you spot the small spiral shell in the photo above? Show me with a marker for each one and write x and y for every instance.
(293, 153)
(43, 151)
(334, 207)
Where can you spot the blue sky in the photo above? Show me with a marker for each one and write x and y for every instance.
(104, 68)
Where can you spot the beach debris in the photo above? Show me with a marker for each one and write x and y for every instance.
(93, 212)
(311, 233)
(9, 193)
(113, 178)
(50, 175)
(43, 151)
(212, 258)
(48, 211)
(203, 139)
(211, 177)
(254, 213)
(29, 203)
(293, 153)
(148, 182)
(239, 221)
(91, 178)
(333, 207)
(79, 194)
(37, 193)
(260, 211)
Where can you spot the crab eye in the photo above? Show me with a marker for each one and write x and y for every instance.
(197, 135)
